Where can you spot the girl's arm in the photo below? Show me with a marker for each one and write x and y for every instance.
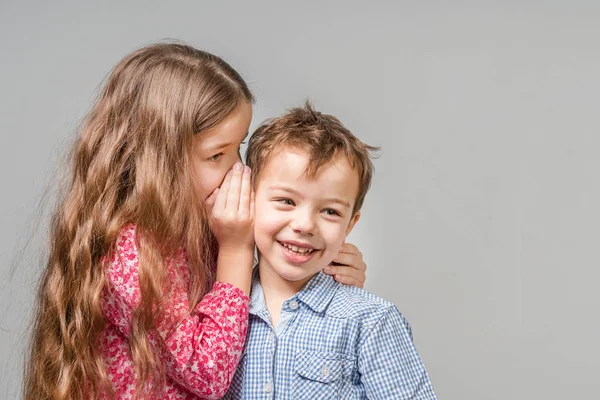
(200, 352)
(348, 266)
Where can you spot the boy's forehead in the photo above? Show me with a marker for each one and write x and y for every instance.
(290, 164)
(290, 156)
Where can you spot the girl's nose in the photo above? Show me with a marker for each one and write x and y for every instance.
(235, 160)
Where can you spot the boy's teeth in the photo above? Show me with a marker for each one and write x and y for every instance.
(296, 249)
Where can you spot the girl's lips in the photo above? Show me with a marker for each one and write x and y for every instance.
(293, 257)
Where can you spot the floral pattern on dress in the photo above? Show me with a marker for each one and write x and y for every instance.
(199, 354)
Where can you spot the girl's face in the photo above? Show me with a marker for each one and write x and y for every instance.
(215, 151)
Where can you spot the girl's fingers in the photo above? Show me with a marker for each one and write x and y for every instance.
(245, 192)
(221, 201)
(341, 270)
(350, 255)
(210, 200)
(231, 222)
(233, 195)
(329, 270)
(343, 258)
(349, 248)
(358, 275)
(348, 280)
(252, 205)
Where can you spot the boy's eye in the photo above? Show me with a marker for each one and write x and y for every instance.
(215, 157)
(332, 212)
(287, 202)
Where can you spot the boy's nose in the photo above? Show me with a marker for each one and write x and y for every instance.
(303, 224)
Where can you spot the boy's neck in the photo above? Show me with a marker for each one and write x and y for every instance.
(276, 289)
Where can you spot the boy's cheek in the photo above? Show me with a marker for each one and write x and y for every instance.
(336, 237)
(267, 221)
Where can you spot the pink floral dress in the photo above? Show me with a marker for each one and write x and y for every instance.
(200, 354)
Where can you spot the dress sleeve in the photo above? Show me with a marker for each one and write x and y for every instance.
(199, 350)
(389, 364)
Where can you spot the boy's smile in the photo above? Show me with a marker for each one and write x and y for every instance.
(301, 222)
(296, 252)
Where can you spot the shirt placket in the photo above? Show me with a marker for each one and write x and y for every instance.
(288, 310)
(268, 358)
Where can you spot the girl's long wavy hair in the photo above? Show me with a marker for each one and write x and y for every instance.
(129, 164)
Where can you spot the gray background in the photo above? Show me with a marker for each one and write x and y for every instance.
(482, 223)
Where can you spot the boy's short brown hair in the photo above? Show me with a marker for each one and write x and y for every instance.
(322, 136)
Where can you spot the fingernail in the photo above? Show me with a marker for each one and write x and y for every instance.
(247, 169)
(238, 166)
(229, 173)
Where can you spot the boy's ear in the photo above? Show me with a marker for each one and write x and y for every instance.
(352, 222)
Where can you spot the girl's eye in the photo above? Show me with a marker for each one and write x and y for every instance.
(215, 157)
(287, 202)
(332, 212)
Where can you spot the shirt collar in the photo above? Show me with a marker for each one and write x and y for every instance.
(319, 291)
(316, 294)
(257, 296)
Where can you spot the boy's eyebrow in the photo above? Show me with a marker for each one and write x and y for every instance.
(292, 191)
(339, 201)
(283, 188)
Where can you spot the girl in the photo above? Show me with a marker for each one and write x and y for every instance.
(145, 293)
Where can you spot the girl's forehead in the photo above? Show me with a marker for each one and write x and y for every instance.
(232, 130)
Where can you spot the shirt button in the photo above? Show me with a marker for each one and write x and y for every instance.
(293, 305)
(325, 371)
(268, 387)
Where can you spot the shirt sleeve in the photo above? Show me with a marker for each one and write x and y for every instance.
(202, 351)
(389, 364)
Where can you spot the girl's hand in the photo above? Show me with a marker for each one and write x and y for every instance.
(232, 222)
(232, 215)
(348, 266)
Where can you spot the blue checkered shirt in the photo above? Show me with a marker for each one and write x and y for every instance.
(332, 342)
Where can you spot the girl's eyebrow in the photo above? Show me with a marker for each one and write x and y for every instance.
(222, 145)
(218, 146)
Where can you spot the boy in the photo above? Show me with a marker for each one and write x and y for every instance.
(310, 337)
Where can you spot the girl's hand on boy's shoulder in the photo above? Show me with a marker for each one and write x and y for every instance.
(348, 266)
